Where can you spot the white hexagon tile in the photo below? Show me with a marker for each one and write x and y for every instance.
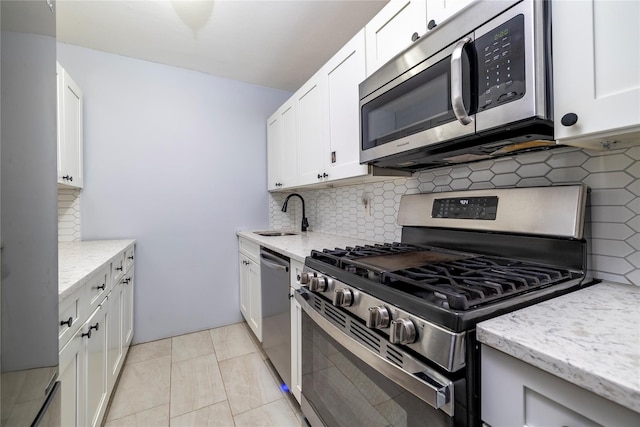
(613, 221)
(68, 215)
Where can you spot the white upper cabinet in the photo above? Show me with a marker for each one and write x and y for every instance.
(311, 118)
(343, 74)
(69, 130)
(596, 72)
(281, 148)
(439, 10)
(393, 29)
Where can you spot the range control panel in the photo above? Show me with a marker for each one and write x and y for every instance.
(501, 62)
(466, 208)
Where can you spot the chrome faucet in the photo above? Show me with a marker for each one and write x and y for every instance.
(305, 223)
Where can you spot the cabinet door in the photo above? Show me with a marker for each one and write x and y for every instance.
(127, 307)
(96, 364)
(69, 130)
(296, 347)
(311, 119)
(440, 10)
(289, 171)
(71, 377)
(274, 152)
(392, 29)
(596, 70)
(255, 299)
(344, 72)
(115, 353)
(244, 287)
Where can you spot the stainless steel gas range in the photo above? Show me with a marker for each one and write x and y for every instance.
(388, 331)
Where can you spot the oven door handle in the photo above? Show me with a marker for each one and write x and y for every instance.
(457, 102)
(436, 393)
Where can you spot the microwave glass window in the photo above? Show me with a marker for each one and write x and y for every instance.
(420, 103)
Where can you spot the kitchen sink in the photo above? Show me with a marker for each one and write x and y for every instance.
(270, 233)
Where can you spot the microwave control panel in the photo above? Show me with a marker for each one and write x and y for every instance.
(501, 61)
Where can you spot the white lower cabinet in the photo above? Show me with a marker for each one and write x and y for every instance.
(250, 289)
(127, 308)
(92, 358)
(296, 332)
(95, 354)
(515, 393)
(71, 377)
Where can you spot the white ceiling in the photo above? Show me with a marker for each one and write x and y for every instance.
(273, 43)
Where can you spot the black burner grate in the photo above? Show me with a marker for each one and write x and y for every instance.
(463, 283)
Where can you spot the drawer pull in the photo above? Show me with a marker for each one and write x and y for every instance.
(86, 334)
(130, 257)
(96, 326)
(126, 281)
(101, 287)
(67, 322)
(119, 268)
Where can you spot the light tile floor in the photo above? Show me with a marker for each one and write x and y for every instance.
(218, 377)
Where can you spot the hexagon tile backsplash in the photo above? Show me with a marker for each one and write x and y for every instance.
(68, 215)
(613, 215)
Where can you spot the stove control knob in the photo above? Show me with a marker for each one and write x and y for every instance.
(304, 278)
(318, 284)
(378, 317)
(342, 297)
(403, 331)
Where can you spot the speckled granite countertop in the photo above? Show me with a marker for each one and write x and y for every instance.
(590, 338)
(299, 246)
(78, 260)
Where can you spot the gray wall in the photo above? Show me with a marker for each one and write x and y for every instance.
(613, 216)
(176, 160)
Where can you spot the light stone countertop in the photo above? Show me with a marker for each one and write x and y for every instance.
(590, 338)
(300, 245)
(78, 260)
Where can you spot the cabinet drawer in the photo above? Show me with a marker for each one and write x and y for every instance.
(129, 257)
(250, 249)
(117, 268)
(97, 288)
(71, 316)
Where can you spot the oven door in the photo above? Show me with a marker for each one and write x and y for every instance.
(429, 104)
(352, 377)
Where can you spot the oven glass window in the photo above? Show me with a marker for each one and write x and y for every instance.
(420, 103)
(344, 391)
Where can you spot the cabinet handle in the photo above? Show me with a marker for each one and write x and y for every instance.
(67, 178)
(432, 24)
(325, 175)
(96, 327)
(569, 119)
(87, 334)
(319, 176)
(415, 36)
(126, 281)
(101, 286)
(67, 322)
(278, 184)
(130, 257)
(119, 268)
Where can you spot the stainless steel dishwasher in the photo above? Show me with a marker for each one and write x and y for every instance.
(276, 314)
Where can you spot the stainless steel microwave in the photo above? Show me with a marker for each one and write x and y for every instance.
(478, 86)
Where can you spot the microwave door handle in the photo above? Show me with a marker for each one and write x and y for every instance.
(457, 102)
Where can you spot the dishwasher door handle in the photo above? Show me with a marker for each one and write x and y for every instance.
(266, 261)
